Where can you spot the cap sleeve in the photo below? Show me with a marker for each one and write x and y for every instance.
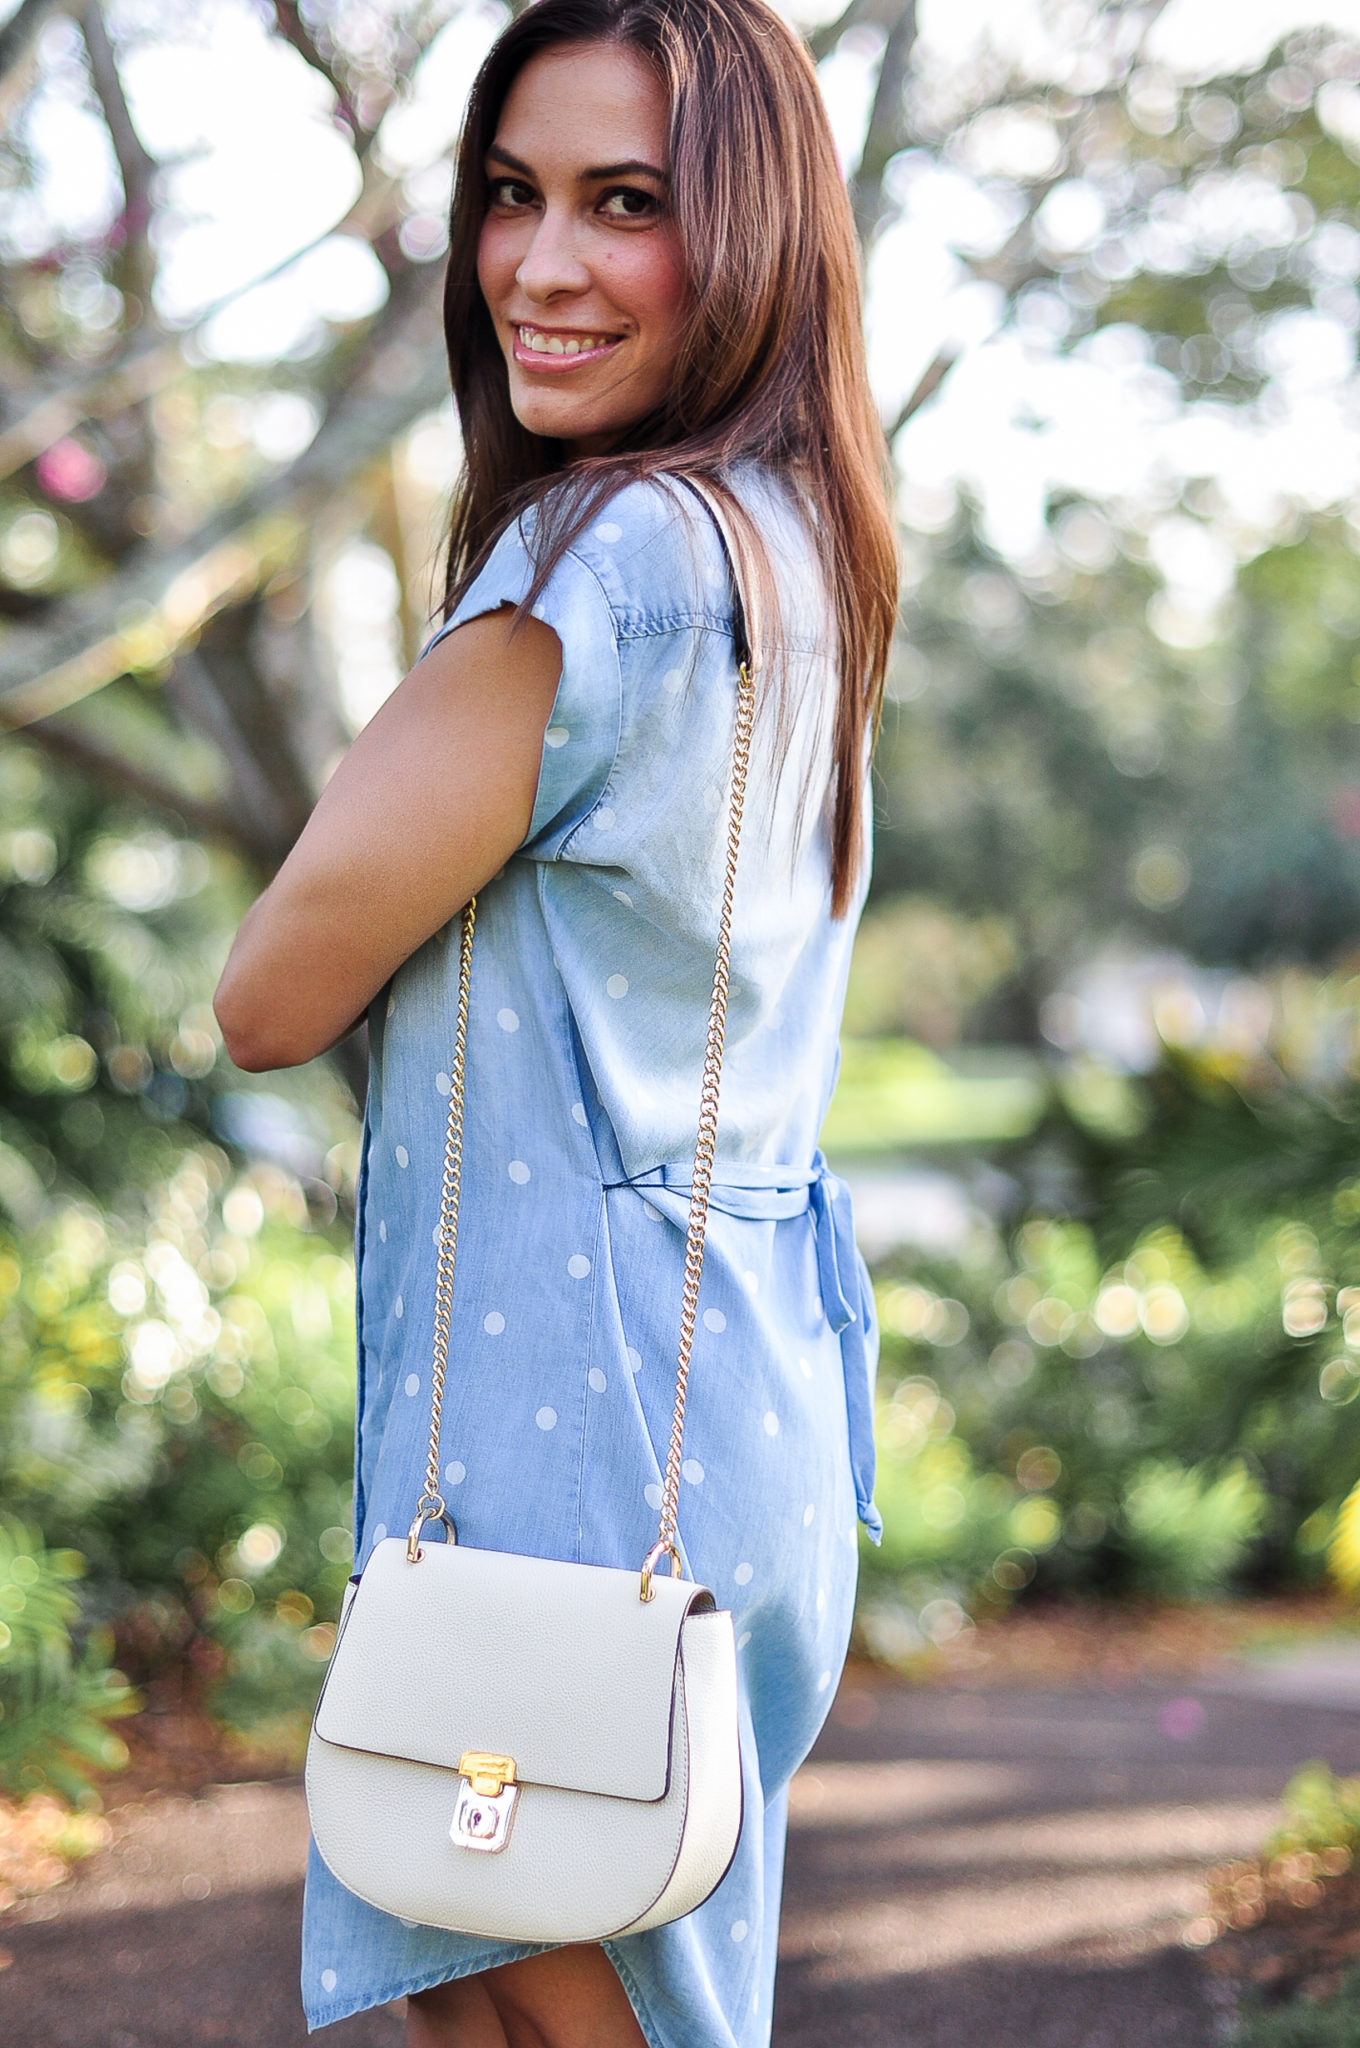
(582, 736)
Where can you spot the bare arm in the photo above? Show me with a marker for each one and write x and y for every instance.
(428, 804)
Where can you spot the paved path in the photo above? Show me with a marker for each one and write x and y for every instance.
(966, 1870)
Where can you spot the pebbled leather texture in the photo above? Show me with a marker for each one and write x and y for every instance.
(567, 1666)
(560, 1666)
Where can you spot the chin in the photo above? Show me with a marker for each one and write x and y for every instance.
(556, 417)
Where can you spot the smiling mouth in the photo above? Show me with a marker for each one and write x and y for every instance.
(557, 349)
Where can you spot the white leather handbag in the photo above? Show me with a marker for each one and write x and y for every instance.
(527, 1750)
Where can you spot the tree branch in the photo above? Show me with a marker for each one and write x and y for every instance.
(18, 33)
(822, 41)
(135, 166)
(294, 30)
(927, 384)
(66, 741)
(145, 367)
(884, 135)
(81, 646)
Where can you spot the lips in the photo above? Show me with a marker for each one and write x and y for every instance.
(558, 349)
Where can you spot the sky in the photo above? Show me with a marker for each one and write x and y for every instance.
(1015, 422)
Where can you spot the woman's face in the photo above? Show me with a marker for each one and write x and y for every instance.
(579, 260)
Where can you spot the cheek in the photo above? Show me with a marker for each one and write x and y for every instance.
(649, 283)
(496, 262)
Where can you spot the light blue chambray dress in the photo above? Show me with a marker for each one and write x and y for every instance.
(591, 978)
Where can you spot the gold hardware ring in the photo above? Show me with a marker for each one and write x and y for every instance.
(427, 1510)
(653, 1559)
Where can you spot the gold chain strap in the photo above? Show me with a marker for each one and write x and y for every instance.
(431, 1502)
(431, 1505)
(706, 1145)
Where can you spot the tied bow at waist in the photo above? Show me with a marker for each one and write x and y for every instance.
(773, 1194)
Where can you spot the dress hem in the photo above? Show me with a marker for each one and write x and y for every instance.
(474, 1967)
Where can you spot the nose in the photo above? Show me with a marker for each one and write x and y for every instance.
(551, 264)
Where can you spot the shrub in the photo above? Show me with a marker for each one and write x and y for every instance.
(57, 1694)
(177, 1399)
(1166, 1424)
(1188, 1531)
(1321, 1815)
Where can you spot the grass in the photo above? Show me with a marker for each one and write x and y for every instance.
(895, 1095)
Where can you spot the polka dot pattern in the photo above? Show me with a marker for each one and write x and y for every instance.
(412, 1384)
(580, 992)
(380, 1534)
(403, 1157)
(608, 532)
(824, 1681)
(329, 1980)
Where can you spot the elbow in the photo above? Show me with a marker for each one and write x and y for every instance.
(255, 1043)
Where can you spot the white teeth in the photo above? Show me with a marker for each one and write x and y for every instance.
(554, 345)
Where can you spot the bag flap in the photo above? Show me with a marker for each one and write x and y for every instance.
(560, 1666)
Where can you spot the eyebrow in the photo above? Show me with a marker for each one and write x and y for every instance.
(591, 175)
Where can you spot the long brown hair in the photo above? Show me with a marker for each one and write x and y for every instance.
(771, 363)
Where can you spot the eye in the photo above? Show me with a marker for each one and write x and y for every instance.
(509, 192)
(629, 202)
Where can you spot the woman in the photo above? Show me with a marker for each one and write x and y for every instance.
(652, 276)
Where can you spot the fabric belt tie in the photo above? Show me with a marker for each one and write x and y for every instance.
(773, 1194)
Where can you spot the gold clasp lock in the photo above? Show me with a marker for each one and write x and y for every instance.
(486, 1801)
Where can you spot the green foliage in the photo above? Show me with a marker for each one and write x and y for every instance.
(57, 1694)
(1332, 2022)
(1321, 1813)
(1158, 1391)
(176, 1397)
(1187, 1532)
(176, 1346)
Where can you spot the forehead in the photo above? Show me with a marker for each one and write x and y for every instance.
(586, 103)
